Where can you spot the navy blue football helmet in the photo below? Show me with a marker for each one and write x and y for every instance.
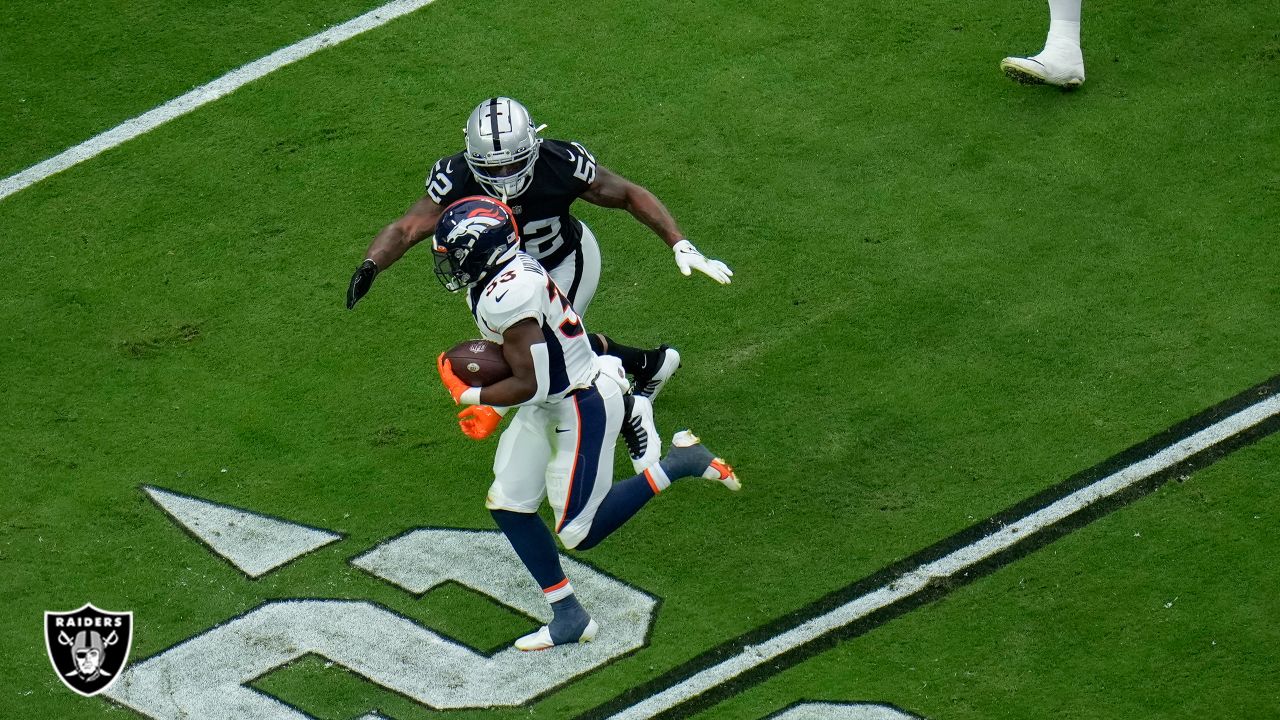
(475, 235)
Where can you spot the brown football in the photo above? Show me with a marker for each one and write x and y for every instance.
(478, 362)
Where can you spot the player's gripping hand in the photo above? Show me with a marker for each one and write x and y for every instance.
(452, 382)
(478, 421)
(689, 259)
(361, 282)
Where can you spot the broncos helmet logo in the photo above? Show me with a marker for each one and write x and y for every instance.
(474, 234)
(468, 231)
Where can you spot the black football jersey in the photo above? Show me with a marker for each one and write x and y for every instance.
(562, 172)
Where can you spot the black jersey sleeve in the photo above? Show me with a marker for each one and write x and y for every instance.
(572, 164)
(447, 181)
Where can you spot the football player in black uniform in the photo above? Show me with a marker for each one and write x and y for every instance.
(539, 179)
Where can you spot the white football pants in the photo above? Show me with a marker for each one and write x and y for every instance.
(578, 275)
(563, 451)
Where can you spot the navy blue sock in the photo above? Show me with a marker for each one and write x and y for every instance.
(625, 498)
(532, 541)
(683, 462)
(597, 343)
(569, 621)
(633, 359)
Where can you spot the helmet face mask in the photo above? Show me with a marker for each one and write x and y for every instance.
(474, 236)
(502, 147)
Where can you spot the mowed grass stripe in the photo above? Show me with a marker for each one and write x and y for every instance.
(206, 94)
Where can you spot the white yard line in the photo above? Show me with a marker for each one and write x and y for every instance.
(914, 581)
(207, 93)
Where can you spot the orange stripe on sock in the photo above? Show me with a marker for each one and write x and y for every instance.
(557, 586)
(649, 477)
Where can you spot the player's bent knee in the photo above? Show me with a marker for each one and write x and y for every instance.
(572, 539)
(498, 501)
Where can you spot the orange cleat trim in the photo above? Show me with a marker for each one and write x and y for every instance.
(723, 468)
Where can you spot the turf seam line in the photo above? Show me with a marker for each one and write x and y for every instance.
(207, 93)
(953, 562)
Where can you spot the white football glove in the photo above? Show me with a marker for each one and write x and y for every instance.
(689, 259)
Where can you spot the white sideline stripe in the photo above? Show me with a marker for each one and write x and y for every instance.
(207, 93)
(961, 559)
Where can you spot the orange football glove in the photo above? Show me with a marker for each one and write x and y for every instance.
(452, 382)
(478, 421)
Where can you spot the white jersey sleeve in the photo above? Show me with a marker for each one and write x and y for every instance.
(513, 296)
(522, 290)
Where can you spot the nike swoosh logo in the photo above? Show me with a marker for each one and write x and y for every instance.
(564, 430)
(499, 298)
(449, 168)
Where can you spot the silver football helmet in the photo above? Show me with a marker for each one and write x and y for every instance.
(502, 147)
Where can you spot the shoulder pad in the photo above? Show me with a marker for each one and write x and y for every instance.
(571, 162)
(517, 293)
(452, 165)
(567, 150)
(558, 149)
(447, 177)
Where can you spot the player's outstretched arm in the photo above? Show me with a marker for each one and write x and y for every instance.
(391, 243)
(611, 190)
(614, 191)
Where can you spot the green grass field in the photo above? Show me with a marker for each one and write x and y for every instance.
(951, 293)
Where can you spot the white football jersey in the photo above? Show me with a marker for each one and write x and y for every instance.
(522, 290)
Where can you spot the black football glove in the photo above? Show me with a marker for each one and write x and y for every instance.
(361, 282)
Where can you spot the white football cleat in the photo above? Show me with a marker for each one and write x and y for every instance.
(1063, 67)
(650, 385)
(541, 638)
(644, 445)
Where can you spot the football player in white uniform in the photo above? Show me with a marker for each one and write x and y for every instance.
(539, 179)
(572, 402)
(1061, 62)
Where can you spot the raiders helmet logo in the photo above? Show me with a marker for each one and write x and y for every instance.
(88, 647)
